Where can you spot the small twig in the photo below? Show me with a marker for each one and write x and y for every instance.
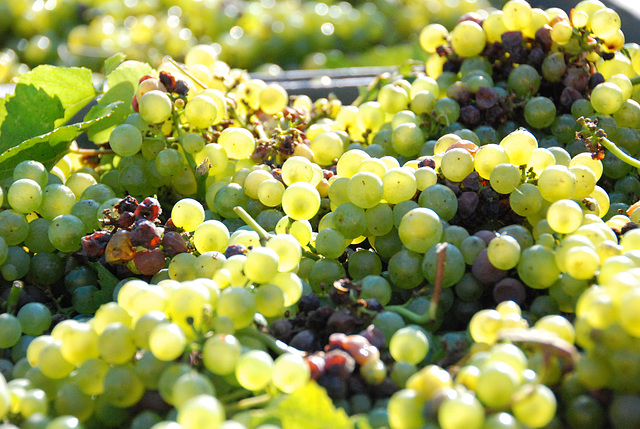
(14, 296)
(246, 217)
(92, 152)
(277, 346)
(186, 72)
(441, 262)
(245, 404)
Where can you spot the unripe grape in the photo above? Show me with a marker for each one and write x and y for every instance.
(155, 107)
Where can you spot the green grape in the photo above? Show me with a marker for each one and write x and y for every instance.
(346, 167)
(540, 112)
(14, 227)
(87, 212)
(564, 216)
(12, 330)
(51, 362)
(261, 265)
(210, 235)
(405, 410)
(369, 117)
(169, 162)
(33, 401)
(420, 229)
(193, 143)
(375, 286)
(504, 252)
(556, 182)
(273, 98)
(327, 148)
(425, 177)
(253, 180)
(405, 269)
(363, 263)
(604, 22)
(239, 143)
(409, 344)
(379, 219)
(70, 400)
(463, 410)
(4, 250)
(534, 405)
(122, 387)
(488, 157)
(238, 304)
(449, 108)
(16, 265)
(393, 98)
(365, 189)
(25, 195)
(519, 145)
(586, 159)
(496, 384)
(269, 300)
(301, 201)
(116, 344)
(606, 98)
(525, 200)
(33, 170)
(229, 196)
(190, 385)
(349, 219)
(270, 192)
(297, 169)
(330, 243)
(254, 370)
(65, 232)
(220, 353)
(468, 39)
(401, 209)
(524, 80)
(155, 107)
(201, 411)
(201, 111)
(217, 155)
(325, 272)
(34, 318)
(399, 184)
(537, 267)
(517, 14)
(454, 265)
(290, 372)
(125, 140)
(456, 164)
(441, 200)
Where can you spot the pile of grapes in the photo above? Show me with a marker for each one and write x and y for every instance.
(458, 248)
(246, 34)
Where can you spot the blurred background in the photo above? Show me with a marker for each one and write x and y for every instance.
(258, 35)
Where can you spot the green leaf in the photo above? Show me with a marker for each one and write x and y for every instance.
(112, 62)
(107, 281)
(122, 82)
(30, 112)
(309, 408)
(72, 85)
(47, 148)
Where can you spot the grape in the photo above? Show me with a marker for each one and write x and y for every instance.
(399, 184)
(556, 182)
(122, 387)
(537, 267)
(65, 232)
(187, 214)
(193, 143)
(420, 229)
(468, 39)
(125, 140)
(210, 235)
(35, 318)
(496, 384)
(463, 410)
(254, 370)
(25, 195)
(12, 330)
(534, 397)
(405, 410)
(519, 145)
(454, 266)
(441, 200)
(33, 170)
(606, 98)
(540, 112)
(238, 304)
(505, 178)
(564, 216)
(237, 142)
(201, 111)
(409, 344)
(504, 252)
(14, 227)
(155, 107)
(524, 80)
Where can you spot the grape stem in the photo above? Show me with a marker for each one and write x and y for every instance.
(246, 217)
(429, 316)
(595, 138)
(186, 72)
(14, 295)
(245, 404)
(277, 346)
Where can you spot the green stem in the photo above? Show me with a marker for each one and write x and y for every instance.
(14, 295)
(245, 404)
(277, 346)
(441, 254)
(635, 80)
(614, 149)
(418, 319)
(186, 72)
(234, 396)
(246, 217)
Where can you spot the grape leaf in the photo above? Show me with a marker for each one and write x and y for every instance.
(30, 112)
(47, 148)
(107, 281)
(72, 85)
(112, 62)
(122, 82)
(309, 407)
